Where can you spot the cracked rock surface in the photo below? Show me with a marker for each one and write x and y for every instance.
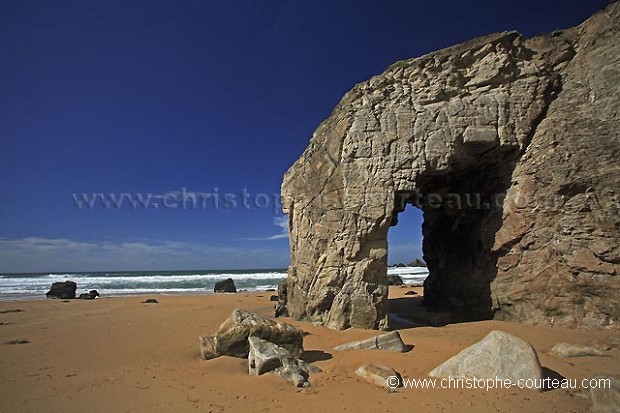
(509, 146)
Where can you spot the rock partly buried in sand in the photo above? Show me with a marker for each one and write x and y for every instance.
(63, 290)
(273, 298)
(225, 286)
(231, 338)
(569, 350)
(20, 341)
(606, 398)
(411, 292)
(91, 295)
(390, 341)
(380, 375)
(13, 310)
(150, 301)
(265, 357)
(498, 355)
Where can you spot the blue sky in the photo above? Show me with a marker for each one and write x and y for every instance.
(194, 97)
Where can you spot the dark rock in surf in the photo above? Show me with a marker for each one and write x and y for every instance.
(225, 286)
(63, 290)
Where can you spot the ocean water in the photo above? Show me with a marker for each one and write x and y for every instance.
(35, 285)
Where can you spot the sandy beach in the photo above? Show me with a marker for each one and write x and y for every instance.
(120, 355)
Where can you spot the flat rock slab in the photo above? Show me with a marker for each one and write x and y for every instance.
(380, 375)
(390, 341)
(569, 350)
(231, 338)
(498, 355)
(606, 400)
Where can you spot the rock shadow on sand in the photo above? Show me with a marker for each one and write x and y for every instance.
(312, 356)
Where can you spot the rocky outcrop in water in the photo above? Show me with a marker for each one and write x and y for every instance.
(508, 145)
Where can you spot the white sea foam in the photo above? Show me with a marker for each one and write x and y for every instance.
(14, 286)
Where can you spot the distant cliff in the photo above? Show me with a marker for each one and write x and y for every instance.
(511, 148)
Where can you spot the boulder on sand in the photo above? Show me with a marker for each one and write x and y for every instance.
(63, 290)
(231, 338)
(498, 355)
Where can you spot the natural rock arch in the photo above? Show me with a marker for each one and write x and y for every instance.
(530, 126)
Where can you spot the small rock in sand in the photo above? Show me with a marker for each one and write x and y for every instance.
(21, 341)
(150, 301)
(15, 310)
(569, 350)
(390, 341)
(380, 375)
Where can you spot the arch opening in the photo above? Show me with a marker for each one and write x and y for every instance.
(462, 211)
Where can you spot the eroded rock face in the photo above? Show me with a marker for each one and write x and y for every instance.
(510, 146)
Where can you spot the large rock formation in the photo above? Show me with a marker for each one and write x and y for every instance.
(510, 146)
